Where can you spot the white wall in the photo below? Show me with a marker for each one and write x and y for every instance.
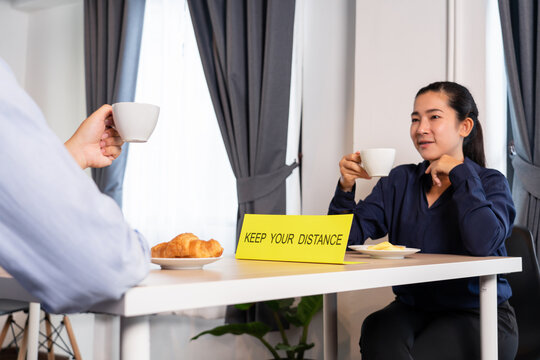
(13, 39)
(44, 48)
(55, 66)
(327, 112)
(395, 56)
(479, 65)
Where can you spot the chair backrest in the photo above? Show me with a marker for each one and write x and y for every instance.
(11, 306)
(7, 307)
(526, 292)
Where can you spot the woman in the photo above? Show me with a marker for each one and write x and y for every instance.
(451, 204)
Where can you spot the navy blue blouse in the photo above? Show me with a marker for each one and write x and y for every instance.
(473, 216)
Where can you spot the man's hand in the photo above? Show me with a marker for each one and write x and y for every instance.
(350, 169)
(95, 143)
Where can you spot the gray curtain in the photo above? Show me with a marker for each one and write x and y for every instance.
(112, 40)
(521, 37)
(246, 52)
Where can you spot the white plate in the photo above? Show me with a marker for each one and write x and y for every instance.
(183, 263)
(384, 254)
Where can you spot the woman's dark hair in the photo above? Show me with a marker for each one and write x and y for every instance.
(461, 100)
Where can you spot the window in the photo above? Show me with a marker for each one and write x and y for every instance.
(496, 93)
(181, 179)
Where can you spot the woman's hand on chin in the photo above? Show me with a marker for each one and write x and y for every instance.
(350, 169)
(442, 167)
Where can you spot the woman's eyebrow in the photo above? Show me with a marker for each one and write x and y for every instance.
(427, 111)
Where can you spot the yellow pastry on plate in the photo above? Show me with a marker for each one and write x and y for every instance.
(385, 245)
(187, 245)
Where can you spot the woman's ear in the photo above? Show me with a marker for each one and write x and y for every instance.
(465, 127)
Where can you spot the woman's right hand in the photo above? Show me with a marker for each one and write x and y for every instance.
(350, 169)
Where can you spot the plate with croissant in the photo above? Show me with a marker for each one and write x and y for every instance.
(186, 251)
(384, 250)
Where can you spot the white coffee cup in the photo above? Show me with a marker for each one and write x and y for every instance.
(135, 122)
(378, 162)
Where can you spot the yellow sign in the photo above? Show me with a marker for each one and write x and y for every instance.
(304, 238)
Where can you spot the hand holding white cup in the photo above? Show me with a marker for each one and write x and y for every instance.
(135, 122)
(378, 161)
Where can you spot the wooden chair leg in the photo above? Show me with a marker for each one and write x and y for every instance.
(24, 344)
(5, 329)
(50, 347)
(72, 339)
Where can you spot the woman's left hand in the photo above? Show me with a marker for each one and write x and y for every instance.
(442, 166)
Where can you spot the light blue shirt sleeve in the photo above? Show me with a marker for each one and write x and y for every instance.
(60, 237)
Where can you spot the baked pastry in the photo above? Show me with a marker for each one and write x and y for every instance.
(385, 245)
(187, 245)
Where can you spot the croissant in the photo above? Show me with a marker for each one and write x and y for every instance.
(187, 245)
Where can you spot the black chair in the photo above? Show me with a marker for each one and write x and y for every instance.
(526, 293)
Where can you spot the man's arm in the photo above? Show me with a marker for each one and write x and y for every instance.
(64, 241)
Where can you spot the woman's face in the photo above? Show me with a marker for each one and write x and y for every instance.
(435, 129)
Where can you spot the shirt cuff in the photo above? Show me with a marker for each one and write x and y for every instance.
(461, 173)
(344, 200)
(348, 194)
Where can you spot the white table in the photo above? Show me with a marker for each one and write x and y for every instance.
(231, 281)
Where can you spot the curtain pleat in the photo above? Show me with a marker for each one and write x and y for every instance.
(112, 36)
(246, 52)
(520, 22)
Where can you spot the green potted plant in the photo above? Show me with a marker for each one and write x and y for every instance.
(299, 315)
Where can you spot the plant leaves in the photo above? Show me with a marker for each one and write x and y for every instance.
(308, 307)
(281, 304)
(244, 306)
(291, 315)
(256, 329)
